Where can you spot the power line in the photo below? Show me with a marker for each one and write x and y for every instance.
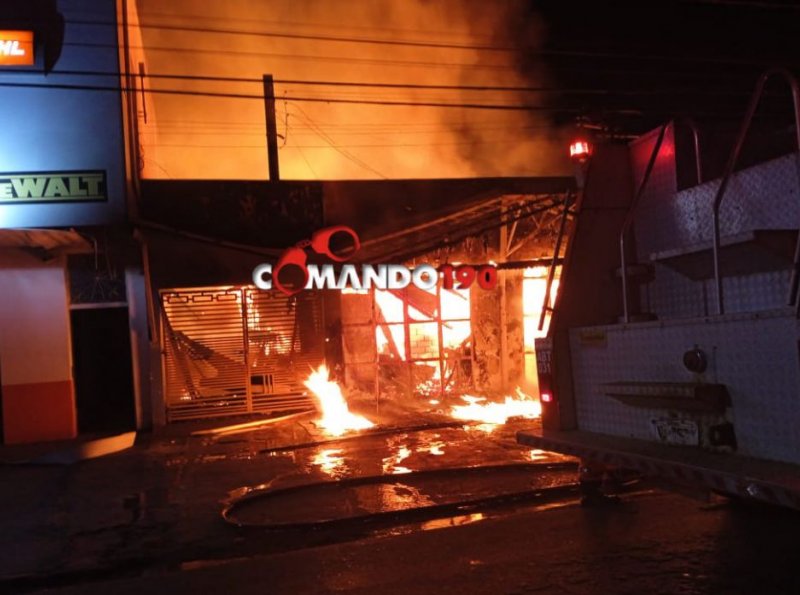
(434, 45)
(304, 23)
(625, 111)
(792, 5)
(387, 85)
(257, 132)
(309, 37)
(259, 97)
(309, 57)
(335, 145)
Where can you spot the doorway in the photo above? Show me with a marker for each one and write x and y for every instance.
(101, 352)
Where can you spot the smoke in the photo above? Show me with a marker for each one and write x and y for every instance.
(193, 136)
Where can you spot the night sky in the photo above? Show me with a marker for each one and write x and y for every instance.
(629, 65)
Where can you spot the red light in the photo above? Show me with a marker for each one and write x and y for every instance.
(546, 398)
(580, 149)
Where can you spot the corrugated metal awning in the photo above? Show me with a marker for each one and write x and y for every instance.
(54, 241)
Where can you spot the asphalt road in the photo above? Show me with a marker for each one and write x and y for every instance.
(148, 521)
(653, 543)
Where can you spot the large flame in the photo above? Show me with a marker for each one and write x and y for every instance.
(494, 414)
(336, 417)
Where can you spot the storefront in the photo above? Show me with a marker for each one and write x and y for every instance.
(71, 321)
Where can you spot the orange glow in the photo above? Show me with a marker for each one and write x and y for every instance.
(197, 136)
(401, 324)
(494, 414)
(16, 48)
(336, 417)
(391, 307)
(391, 464)
(330, 462)
(533, 288)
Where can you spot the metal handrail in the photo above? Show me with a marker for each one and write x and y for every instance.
(734, 157)
(629, 218)
(546, 305)
(698, 164)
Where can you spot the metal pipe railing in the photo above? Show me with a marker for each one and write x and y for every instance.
(629, 219)
(733, 159)
(547, 304)
(698, 164)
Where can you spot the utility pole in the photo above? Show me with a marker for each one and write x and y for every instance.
(272, 129)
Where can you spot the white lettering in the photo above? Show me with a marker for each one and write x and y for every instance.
(373, 276)
(11, 48)
(258, 276)
(75, 187)
(425, 276)
(56, 187)
(93, 184)
(29, 187)
(348, 278)
(320, 276)
(398, 277)
(5, 191)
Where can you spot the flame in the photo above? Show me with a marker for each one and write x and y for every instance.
(336, 417)
(494, 414)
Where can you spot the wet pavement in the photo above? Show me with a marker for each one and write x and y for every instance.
(159, 504)
(149, 520)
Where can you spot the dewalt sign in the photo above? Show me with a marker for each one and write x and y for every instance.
(53, 187)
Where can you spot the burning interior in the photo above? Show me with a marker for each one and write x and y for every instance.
(462, 352)
(229, 348)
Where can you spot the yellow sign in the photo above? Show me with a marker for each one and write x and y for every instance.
(67, 186)
(594, 337)
(16, 48)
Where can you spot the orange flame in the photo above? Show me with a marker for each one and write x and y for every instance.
(336, 417)
(496, 414)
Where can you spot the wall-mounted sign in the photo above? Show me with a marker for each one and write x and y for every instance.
(62, 186)
(16, 48)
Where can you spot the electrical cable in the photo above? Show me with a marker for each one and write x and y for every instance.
(424, 44)
(402, 86)
(182, 92)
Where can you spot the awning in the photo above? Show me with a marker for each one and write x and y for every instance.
(48, 241)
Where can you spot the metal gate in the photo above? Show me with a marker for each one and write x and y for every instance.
(229, 351)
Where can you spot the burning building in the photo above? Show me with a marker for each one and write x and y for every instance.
(230, 347)
(155, 243)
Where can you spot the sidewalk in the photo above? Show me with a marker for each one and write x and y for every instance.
(144, 503)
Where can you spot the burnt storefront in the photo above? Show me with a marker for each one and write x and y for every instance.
(227, 347)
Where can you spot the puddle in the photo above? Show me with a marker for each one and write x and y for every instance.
(331, 462)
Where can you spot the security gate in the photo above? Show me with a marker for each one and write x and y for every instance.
(230, 351)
